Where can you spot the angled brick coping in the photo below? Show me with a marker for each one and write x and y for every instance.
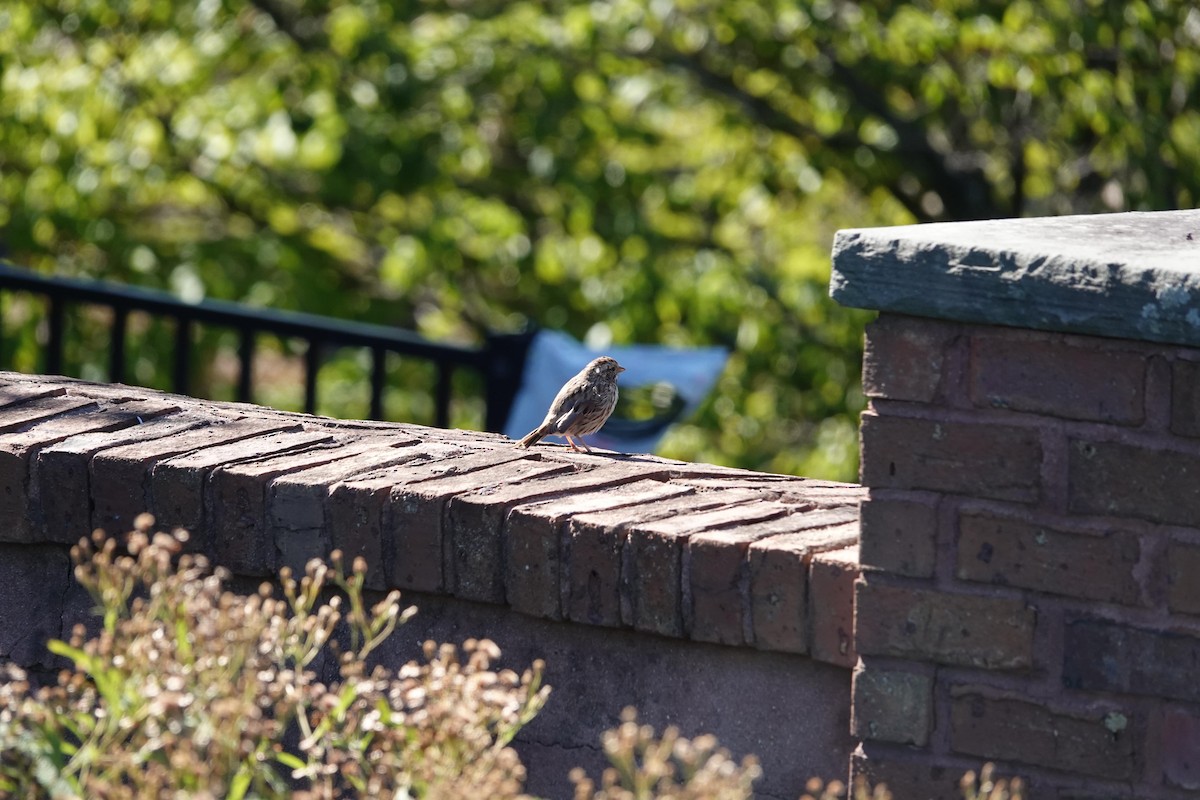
(630, 541)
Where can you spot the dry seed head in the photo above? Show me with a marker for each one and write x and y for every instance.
(136, 542)
(167, 542)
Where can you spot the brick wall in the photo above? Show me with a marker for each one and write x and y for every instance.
(1031, 561)
(738, 585)
(1021, 581)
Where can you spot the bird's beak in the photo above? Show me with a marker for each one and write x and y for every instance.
(620, 370)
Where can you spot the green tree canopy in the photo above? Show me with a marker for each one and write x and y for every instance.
(661, 171)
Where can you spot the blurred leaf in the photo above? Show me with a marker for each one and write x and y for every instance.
(661, 172)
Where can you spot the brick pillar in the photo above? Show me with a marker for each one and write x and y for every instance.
(1030, 544)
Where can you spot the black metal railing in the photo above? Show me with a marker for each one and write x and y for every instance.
(500, 361)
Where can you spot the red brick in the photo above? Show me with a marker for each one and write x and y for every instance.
(1010, 552)
(369, 516)
(1185, 398)
(296, 523)
(1180, 747)
(64, 468)
(414, 522)
(1111, 657)
(1001, 462)
(831, 580)
(905, 357)
(891, 706)
(1096, 743)
(1126, 480)
(1045, 374)
(315, 510)
(237, 511)
(14, 393)
(833, 496)
(779, 566)
(601, 585)
(178, 486)
(21, 415)
(298, 496)
(475, 524)
(657, 549)
(779, 593)
(93, 419)
(801, 492)
(355, 510)
(21, 501)
(415, 530)
(899, 536)
(720, 571)
(122, 393)
(592, 572)
(1183, 577)
(769, 484)
(932, 625)
(534, 565)
(119, 476)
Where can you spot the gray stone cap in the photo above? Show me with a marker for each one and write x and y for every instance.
(1133, 275)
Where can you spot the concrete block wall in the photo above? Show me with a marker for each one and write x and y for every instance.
(1029, 543)
(713, 598)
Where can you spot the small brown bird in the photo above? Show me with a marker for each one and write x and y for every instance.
(581, 406)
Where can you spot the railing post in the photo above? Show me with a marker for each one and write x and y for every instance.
(502, 364)
(116, 346)
(54, 345)
(183, 355)
(378, 380)
(245, 365)
(312, 365)
(441, 398)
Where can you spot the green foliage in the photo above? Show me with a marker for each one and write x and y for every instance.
(646, 766)
(190, 689)
(668, 171)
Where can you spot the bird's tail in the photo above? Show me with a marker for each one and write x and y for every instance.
(534, 436)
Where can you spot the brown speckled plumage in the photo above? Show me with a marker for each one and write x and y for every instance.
(581, 406)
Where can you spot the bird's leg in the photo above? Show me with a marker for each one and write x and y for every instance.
(575, 445)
